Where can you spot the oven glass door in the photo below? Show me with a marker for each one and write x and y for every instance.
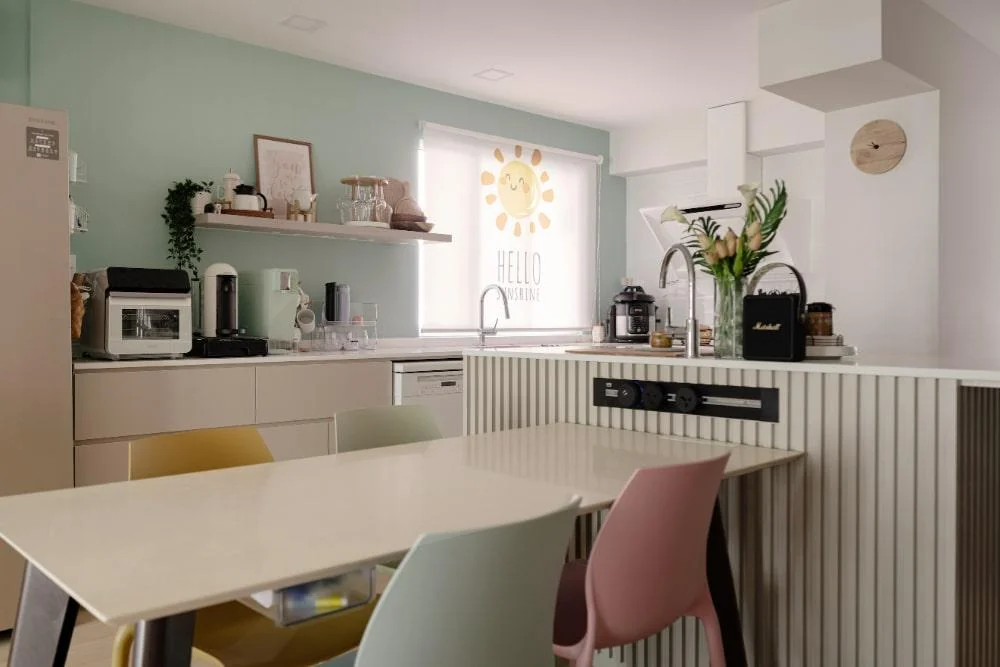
(158, 323)
(149, 324)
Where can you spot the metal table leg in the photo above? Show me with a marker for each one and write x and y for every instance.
(164, 642)
(44, 625)
(720, 584)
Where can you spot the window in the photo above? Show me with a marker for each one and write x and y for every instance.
(521, 216)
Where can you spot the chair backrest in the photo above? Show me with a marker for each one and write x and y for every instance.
(368, 428)
(648, 564)
(483, 597)
(196, 451)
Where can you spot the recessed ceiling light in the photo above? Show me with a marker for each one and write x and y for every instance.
(493, 74)
(303, 23)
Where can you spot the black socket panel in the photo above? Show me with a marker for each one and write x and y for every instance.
(707, 400)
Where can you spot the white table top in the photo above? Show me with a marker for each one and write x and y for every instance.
(151, 548)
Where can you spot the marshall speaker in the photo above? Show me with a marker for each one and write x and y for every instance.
(774, 325)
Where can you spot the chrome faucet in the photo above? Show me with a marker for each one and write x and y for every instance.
(492, 331)
(692, 340)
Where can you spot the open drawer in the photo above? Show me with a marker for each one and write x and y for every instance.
(316, 599)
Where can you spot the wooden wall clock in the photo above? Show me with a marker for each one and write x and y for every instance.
(878, 147)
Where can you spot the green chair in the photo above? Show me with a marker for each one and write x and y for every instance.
(369, 428)
(481, 597)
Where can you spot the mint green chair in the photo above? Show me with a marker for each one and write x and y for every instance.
(369, 428)
(481, 597)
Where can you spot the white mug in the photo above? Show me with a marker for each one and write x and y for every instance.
(306, 319)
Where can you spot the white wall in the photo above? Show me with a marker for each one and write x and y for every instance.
(968, 76)
(804, 230)
(881, 240)
(676, 141)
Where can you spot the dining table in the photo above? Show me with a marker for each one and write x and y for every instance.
(153, 551)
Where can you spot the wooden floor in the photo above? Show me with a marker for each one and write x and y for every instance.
(91, 647)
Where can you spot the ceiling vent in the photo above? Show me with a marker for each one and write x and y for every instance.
(493, 74)
(303, 23)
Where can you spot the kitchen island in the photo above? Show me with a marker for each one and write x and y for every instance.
(880, 548)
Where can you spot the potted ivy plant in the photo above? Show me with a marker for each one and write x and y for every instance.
(182, 247)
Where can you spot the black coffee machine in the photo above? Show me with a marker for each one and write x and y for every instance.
(632, 316)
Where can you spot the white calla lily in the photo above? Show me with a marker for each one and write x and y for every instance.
(673, 214)
(749, 192)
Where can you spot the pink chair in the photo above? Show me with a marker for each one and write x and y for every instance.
(647, 568)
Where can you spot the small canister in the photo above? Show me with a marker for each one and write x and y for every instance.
(819, 319)
(343, 303)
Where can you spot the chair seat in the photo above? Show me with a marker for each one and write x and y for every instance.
(571, 605)
(240, 637)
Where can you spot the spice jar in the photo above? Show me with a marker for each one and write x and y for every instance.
(819, 319)
(660, 340)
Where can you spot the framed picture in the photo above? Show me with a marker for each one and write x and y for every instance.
(283, 166)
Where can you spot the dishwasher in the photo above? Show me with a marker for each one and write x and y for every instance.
(436, 384)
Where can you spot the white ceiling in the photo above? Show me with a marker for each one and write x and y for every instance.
(606, 63)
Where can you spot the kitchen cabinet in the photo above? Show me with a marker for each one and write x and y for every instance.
(297, 441)
(106, 462)
(298, 392)
(116, 404)
(291, 404)
(101, 463)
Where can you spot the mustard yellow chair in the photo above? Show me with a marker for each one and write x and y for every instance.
(231, 634)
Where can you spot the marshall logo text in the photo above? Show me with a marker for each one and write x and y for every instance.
(760, 326)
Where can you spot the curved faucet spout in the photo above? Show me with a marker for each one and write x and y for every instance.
(693, 338)
(483, 331)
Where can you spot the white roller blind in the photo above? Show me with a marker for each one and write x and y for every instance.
(522, 216)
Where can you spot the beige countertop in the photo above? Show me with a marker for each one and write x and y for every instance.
(394, 349)
(968, 373)
(151, 548)
(391, 353)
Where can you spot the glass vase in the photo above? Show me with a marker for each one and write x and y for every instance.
(728, 332)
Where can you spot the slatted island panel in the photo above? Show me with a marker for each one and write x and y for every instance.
(856, 556)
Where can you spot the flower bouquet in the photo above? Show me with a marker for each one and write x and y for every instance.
(733, 257)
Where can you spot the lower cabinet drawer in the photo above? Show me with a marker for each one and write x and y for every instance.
(300, 392)
(127, 403)
(105, 462)
(297, 441)
(101, 463)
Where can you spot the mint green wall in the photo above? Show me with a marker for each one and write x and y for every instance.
(14, 23)
(150, 104)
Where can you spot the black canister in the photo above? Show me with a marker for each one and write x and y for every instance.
(330, 307)
(226, 323)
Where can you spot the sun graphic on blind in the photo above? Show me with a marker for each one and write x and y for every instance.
(517, 187)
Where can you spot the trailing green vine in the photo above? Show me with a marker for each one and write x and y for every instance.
(183, 248)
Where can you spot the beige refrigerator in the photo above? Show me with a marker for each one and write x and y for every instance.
(36, 429)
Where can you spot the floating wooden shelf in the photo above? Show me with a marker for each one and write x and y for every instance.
(241, 223)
